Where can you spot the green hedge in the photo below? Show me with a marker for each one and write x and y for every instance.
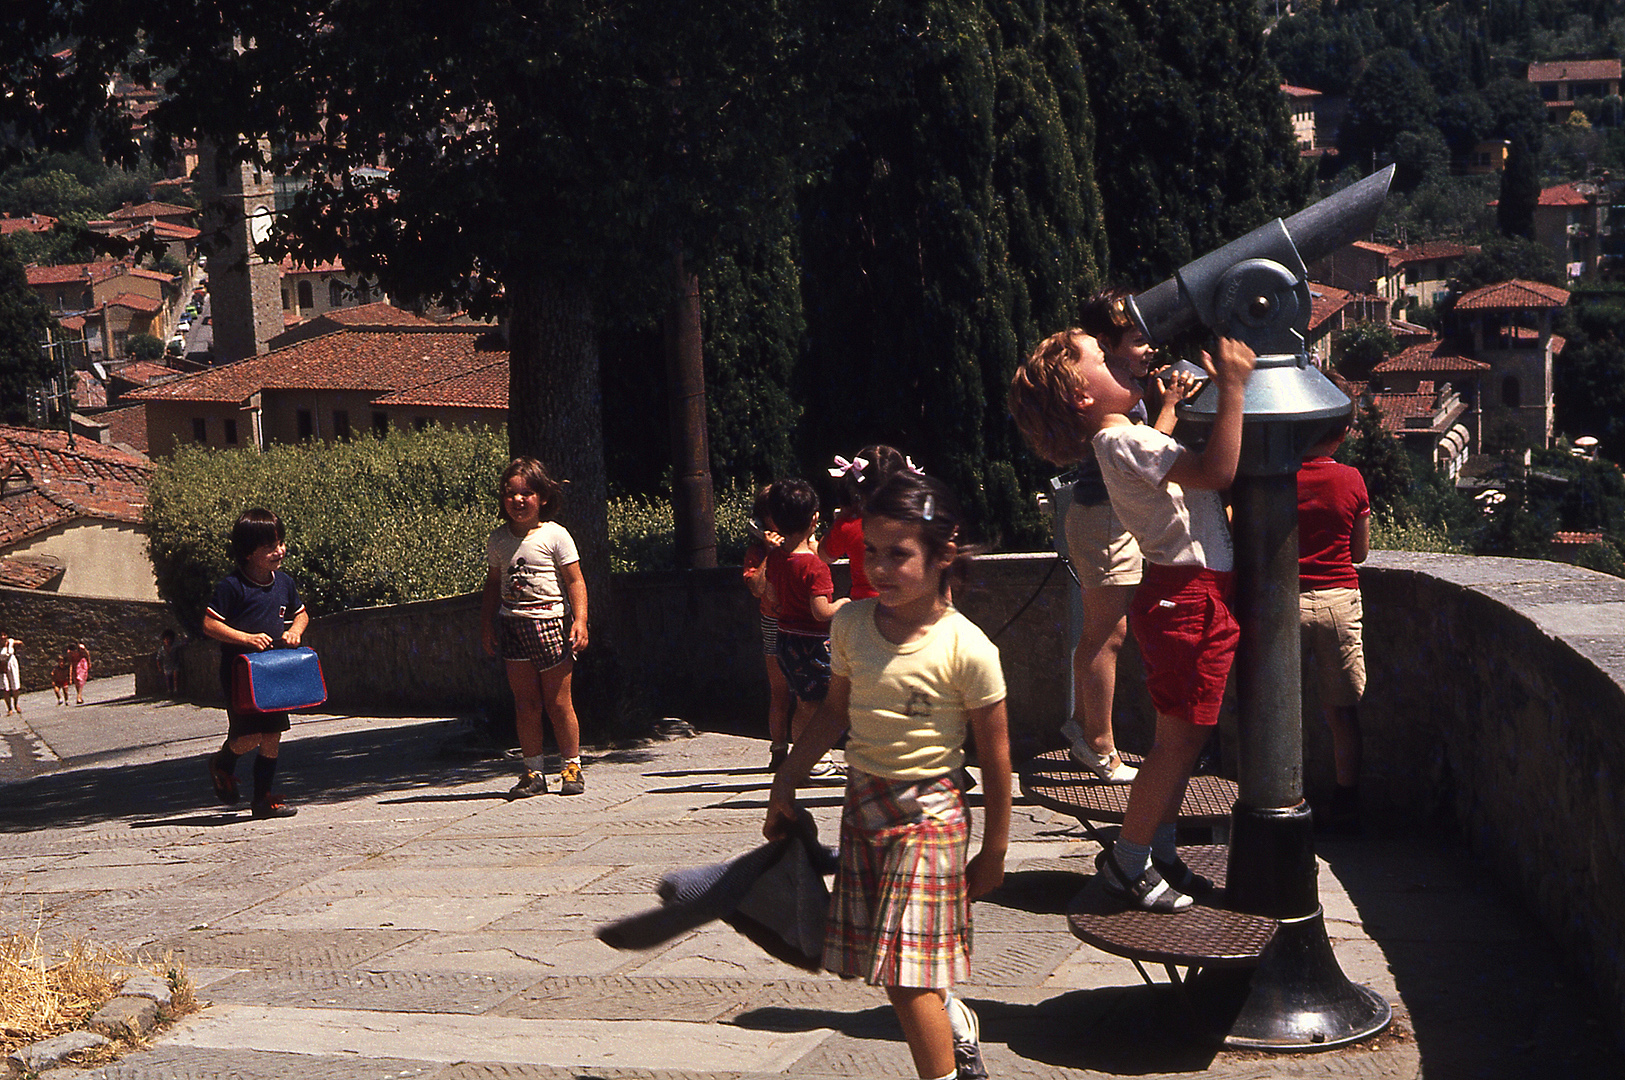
(641, 532)
(374, 521)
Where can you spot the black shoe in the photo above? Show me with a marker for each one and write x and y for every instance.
(776, 755)
(532, 783)
(1148, 892)
(225, 784)
(1183, 878)
(271, 807)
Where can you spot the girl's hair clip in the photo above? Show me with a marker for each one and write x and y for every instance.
(908, 464)
(928, 509)
(842, 467)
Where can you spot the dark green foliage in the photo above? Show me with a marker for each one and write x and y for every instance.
(1321, 51)
(1589, 375)
(1505, 258)
(24, 321)
(1187, 171)
(1520, 189)
(372, 521)
(1362, 347)
(1384, 463)
(144, 347)
(1391, 96)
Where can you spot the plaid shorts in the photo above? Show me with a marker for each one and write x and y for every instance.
(770, 635)
(541, 641)
(805, 663)
(899, 915)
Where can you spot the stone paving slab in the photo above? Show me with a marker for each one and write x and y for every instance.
(411, 922)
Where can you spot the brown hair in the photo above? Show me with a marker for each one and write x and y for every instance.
(853, 486)
(1044, 397)
(792, 502)
(1105, 316)
(255, 529)
(549, 492)
(926, 502)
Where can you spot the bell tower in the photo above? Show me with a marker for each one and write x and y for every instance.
(245, 291)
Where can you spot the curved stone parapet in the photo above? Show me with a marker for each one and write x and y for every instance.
(1496, 698)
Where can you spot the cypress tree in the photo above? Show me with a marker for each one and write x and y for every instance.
(24, 320)
(1520, 188)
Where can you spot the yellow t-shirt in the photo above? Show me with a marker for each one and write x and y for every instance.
(909, 701)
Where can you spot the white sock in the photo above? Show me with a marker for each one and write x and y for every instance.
(957, 1021)
(573, 760)
(534, 762)
(948, 1076)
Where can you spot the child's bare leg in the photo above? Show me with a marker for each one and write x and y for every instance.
(778, 702)
(526, 685)
(1094, 662)
(1345, 725)
(1154, 799)
(925, 1027)
(803, 716)
(561, 709)
(242, 744)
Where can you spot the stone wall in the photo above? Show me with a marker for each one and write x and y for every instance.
(1495, 701)
(122, 635)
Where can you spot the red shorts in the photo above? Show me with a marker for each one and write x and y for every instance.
(1187, 637)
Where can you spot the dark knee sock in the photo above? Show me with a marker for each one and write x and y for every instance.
(228, 759)
(264, 770)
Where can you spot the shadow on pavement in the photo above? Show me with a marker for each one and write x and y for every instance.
(1485, 986)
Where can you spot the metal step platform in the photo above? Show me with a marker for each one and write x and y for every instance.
(1207, 936)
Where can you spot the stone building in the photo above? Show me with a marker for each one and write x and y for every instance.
(1509, 325)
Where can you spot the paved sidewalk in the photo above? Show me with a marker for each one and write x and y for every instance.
(411, 922)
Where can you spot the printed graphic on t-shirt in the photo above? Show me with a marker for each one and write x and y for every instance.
(521, 574)
(919, 704)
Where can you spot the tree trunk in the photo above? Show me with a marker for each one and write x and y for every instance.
(693, 500)
(555, 413)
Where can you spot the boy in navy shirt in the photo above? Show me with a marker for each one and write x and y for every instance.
(254, 609)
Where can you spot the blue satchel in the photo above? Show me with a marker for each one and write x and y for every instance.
(278, 680)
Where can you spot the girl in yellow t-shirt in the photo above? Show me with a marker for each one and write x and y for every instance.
(910, 676)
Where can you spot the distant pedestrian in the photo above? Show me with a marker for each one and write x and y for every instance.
(62, 677)
(11, 675)
(79, 658)
(169, 662)
(911, 676)
(534, 616)
(1334, 533)
(257, 607)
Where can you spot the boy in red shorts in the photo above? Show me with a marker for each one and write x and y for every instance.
(1168, 498)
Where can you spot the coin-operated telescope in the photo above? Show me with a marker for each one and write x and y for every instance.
(1256, 289)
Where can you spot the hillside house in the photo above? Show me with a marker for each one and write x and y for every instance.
(77, 508)
(113, 299)
(1509, 325)
(356, 380)
(1428, 421)
(1332, 309)
(1563, 82)
(1405, 276)
(1576, 223)
(1300, 105)
(1437, 363)
(308, 291)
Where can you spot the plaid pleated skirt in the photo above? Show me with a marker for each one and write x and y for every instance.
(899, 916)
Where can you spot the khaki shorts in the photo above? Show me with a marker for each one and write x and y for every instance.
(1101, 550)
(1330, 622)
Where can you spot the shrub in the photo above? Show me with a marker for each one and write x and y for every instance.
(374, 521)
(641, 530)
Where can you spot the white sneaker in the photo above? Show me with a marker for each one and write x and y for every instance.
(967, 1040)
(828, 770)
(1099, 764)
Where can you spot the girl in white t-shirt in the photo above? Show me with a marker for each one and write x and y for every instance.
(910, 676)
(534, 615)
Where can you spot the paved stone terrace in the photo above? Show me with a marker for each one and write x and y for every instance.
(411, 922)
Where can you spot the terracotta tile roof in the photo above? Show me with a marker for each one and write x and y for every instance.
(143, 372)
(127, 426)
(88, 391)
(1327, 300)
(1563, 195)
(1372, 245)
(45, 484)
(481, 388)
(150, 210)
(1513, 294)
(1430, 356)
(1435, 249)
(150, 275)
(1577, 538)
(31, 223)
(351, 359)
(1416, 412)
(136, 302)
(1298, 91)
(71, 273)
(378, 313)
(1574, 70)
(1558, 341)
(30, 571)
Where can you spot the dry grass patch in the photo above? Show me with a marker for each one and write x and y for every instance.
(47, 991)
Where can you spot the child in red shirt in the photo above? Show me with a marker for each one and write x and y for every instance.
(855, 480)
(755, 575)
(806, 596)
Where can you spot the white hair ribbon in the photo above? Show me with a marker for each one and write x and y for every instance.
(843, 466)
